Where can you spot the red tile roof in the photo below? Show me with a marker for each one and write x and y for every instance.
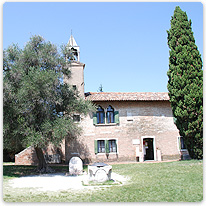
(127, 96)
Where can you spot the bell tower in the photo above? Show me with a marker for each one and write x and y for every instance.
(74, 49)
(76, 67)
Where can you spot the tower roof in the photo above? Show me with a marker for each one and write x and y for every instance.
(72, 42)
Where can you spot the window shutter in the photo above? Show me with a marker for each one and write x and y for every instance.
(95, 147)
(107, 146)
(116, 116)
(116, 145)
(94, 118)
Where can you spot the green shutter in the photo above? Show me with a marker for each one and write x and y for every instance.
(95, 147)
(94, 118)
(116, 116)
(116, 145)
(107, 146)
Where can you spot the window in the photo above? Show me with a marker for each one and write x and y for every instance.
(110, 115)
(112, 146)
(182, 144)
(76, 118)
(74, 87)
(101, 146)
(105, 146)
(129, 116)
(100, 115)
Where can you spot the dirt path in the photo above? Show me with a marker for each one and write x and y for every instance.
(58, 181)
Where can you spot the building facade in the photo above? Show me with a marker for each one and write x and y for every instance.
(126, 127)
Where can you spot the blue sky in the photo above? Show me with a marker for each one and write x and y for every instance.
(124, 45)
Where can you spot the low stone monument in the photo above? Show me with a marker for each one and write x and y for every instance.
(159, 158)
(99, 172)
(141, 157)
(75, 166)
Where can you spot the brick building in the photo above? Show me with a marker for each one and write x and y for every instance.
(126, 126)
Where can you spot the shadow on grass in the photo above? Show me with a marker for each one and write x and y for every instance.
(25, 170)
(18, 170)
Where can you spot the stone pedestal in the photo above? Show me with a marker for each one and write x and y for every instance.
(99, 172)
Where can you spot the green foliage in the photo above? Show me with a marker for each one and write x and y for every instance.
(38, 106)
(185, 84)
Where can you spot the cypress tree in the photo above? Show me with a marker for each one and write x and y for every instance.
(185, 83)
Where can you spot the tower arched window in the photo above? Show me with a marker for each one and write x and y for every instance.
(100, 115)
(110, 114)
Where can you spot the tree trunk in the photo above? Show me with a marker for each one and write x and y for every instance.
(42, 166)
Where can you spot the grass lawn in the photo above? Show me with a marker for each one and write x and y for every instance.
(180, 181)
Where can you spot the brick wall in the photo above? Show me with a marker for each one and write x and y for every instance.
(138, 120)
(26, 157)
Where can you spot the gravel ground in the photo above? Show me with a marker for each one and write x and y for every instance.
(58, 181)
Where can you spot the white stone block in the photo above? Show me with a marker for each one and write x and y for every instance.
(141, 157)
(135, 141)
(75, 166)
